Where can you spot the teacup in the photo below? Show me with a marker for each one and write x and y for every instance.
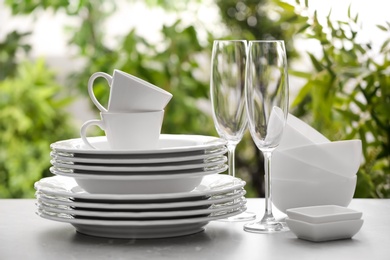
(129, 93)
(127, 131)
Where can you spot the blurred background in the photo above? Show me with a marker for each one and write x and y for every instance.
(339, 64)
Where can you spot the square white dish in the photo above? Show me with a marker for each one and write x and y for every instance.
(323, 214)
(324, 231)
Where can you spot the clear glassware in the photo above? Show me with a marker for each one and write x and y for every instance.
(267, 95)
(227, 88)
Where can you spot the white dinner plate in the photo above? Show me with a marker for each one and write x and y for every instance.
(137, 159)
(111, 205)
(167, 144)
(141, 167)
(210, 185)
(141, 215)
(139, 229)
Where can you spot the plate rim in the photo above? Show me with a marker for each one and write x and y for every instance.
(241, 192)
(235, 183)
(141, 222)
(209, 142)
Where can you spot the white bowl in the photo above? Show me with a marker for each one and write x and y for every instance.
(325, 231)
(141, 183)
(323, 214)
(341, 157)
(145, 186)
(286, 167)
(297, 133)
(287, 194)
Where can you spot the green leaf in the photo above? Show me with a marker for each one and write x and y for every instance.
(317, 65)
(381, 27)
(302, 94)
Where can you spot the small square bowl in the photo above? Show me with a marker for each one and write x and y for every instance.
(324, 231)
(323, 214)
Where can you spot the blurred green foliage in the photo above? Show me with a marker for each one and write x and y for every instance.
(177, 64)
(31, 117)
(348, 95)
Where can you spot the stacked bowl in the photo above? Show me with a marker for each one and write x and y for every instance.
(310, 170)
(173, 190)
(324, 223)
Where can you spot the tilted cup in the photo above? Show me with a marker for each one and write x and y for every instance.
(129, 93)
(127, 131)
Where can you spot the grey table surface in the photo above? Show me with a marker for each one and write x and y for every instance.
(24, 235)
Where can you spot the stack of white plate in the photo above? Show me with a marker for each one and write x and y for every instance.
(170, 191)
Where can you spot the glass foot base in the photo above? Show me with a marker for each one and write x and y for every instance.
(244, 216)
(266, 227)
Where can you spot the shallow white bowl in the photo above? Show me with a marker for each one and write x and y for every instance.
(323, 214)
(325, 231)
(139, 184)
(287, 194)
(341, 157)
(286, 167)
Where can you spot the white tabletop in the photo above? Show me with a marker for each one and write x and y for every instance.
(24, 235)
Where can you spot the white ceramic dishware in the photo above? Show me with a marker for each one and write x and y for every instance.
(139, 229)
(340, 157)
(168, 145)
(324, 231)
(129, 93)
(211, 185)
(141, 168)
(141, 215)
(127, 131)
(323, 214)
(146, 205)
(289, 168)
(164, 182)
(150, 159)
(291, 193)
(298, 133)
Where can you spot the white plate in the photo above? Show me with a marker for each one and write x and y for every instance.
(138, 168)
(141, 215)
(215, 199)
(210, 185)
(139, 229)
(167, 144)
(144, 159)
(323, 214)
(324, 231)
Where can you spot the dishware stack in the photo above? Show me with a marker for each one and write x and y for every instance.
(324, 223)
(310, 170)
(135, 182)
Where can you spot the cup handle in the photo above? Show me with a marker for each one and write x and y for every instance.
(84, 127)
(90, 88)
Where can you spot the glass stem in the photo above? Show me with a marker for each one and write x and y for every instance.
(268, 216)
(231, 159)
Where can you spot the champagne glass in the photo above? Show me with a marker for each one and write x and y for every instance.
(227, 85)
(266, 94)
